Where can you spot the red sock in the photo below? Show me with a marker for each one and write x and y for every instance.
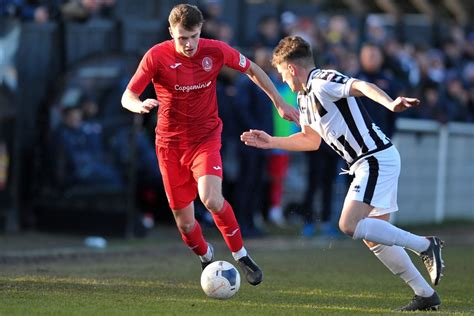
(195, 240)
(229, 228)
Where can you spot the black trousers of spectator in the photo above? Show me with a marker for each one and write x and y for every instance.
(249, 187)
(321, 173)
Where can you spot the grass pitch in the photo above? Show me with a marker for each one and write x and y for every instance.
(159, 276)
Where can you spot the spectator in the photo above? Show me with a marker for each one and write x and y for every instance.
(226, 33)
(371, 62)
(212, 12)
(433, 105)
(279, 160)
(288, 22)
(375, 31)
(341, 33)
(226, 93)
(12, 12)
(81, 149)
(399, 60)
(25, 10)
(9, 40)
(268, 32)
(457, 100)
(468, 76)
(83, 10)
(150, 186)
(254, 111)
(322, 166)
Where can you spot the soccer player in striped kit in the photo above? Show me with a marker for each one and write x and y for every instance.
(183, 71)
(330, 110)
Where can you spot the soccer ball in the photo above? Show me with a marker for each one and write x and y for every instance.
(220, 280)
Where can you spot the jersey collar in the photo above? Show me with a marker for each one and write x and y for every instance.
(309, 81)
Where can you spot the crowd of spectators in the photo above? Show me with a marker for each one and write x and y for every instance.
(41, 11)
(441, 74)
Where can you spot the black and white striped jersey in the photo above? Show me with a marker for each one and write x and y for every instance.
(339, 118)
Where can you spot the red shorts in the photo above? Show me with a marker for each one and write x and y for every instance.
(181, 168)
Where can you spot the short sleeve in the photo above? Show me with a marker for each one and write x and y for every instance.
(234, 59)
(336, 85)
(303, 119)
(145, 72)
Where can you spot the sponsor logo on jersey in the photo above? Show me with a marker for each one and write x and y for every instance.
(242, 61)
(207, 64)
(192, 87)
(175, 65)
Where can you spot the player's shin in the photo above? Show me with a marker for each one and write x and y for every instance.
(195, 240)
(382, 232)
(227, 224)
(396, 259)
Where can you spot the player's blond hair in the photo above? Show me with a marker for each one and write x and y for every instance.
(189, 16)
(293, 49)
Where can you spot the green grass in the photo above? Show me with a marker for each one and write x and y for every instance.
(159, 276)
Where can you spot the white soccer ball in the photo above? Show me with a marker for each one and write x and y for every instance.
(220, 280)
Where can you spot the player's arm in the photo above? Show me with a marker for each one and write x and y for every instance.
(306, 140)
(261, 79)
(131, 101)
(362, 88)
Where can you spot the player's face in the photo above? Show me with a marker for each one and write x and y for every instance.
(185, 42)
(287, 75)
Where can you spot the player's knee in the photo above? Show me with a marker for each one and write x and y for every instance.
(346, 227)
(185, 227)
(213, 203)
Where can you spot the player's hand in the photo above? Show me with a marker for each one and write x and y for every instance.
(288, 112)
(400, 104)
(147, 105)
(256, 138)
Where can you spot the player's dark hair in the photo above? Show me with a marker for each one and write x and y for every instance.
(293, 49)
(189, 16)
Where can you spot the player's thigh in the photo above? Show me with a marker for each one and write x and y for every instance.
(178, 181)
(207, 170)
(210, 192)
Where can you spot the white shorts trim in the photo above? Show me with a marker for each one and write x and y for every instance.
(376, 181)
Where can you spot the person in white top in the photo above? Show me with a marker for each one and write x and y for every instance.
(330, 110)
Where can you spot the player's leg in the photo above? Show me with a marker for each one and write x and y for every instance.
(277, 169)
(181, 190)
(207, 170)
(373, 191)
(396, 259)
(210, 192)
(209, 188)
(355, 222)
(191, 234)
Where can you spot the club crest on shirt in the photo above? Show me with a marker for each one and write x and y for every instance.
(207, 64)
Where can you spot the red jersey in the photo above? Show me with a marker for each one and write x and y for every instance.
(186, 89)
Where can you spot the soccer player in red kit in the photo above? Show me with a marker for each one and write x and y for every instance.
(183, 71)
